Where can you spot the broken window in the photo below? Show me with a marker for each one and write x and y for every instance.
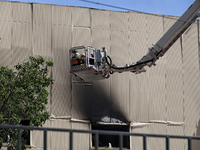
(111, 140)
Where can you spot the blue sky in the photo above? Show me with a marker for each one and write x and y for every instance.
(164, 7)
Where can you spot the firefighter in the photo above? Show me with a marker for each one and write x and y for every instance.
(82, 59)
(75, 58)
(76, 54)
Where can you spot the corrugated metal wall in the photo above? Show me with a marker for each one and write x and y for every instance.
(164, 100)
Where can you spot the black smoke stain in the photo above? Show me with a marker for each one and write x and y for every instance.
(92, 101)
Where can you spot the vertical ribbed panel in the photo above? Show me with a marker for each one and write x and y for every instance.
(138, 83)
(101, 38)
(22, 13)
(42, 15)
(42, 40)
(156, 80)
(119, 50)
(174, 84)
(5, 24)
(61, 43)
(154, 24)
(177, 143)
(21, 43)
(61, 99)
(174, 78)
(100, 24)
(137, 142)
(81, 32)
(81, 36)
(119, 21)
(191, 79)
(6, 11)
(61, 16)
(100, 20)
(101, 104)
(81, 17)
(119, 82)
(5, 58)
(59, 140)
(120, 96)
(156, 143)
(81, 101)
(195, 144)
(138, 22)
(81, 140)
(60, 53)
(41, 35)
(21, 32)
(37, 139)
(5, 33)
(174, 88)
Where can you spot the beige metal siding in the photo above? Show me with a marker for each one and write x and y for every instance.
(100, 29)
(100, 20)
(59, 140)
(81, 101)
(81, 141)
(119, 52)
(61, 43)
(174, 79)
(5, 34)
(42, 21)
(191, 79)
(164, 100)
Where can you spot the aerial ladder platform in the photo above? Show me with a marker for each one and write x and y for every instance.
(90, 64)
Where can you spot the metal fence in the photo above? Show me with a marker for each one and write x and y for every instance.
(97, 133)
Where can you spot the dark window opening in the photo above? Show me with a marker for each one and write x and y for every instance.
(104, 140)
(26, 133)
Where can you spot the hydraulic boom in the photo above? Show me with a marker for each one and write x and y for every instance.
(97, 65)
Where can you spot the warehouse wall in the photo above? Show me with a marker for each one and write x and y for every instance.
(164, 100)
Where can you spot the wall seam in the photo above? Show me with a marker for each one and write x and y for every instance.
(51, 87)
(183, 83)
(198, 42)
(71, 76)
(12, 34)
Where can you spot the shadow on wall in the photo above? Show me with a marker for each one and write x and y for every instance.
(196, 143)
(92, 101)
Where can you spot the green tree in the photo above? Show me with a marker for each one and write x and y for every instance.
(24, 96)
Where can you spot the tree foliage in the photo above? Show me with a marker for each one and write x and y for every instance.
(24, 95)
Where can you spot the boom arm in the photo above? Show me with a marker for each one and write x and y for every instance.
(165, 42)
(99, 65)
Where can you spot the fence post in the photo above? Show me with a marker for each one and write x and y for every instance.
(45, 139)
(189, 144)
(121, 141)
(144, 142)
(96, 140)
(19, 139)
(167, 143)
(71, 140)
